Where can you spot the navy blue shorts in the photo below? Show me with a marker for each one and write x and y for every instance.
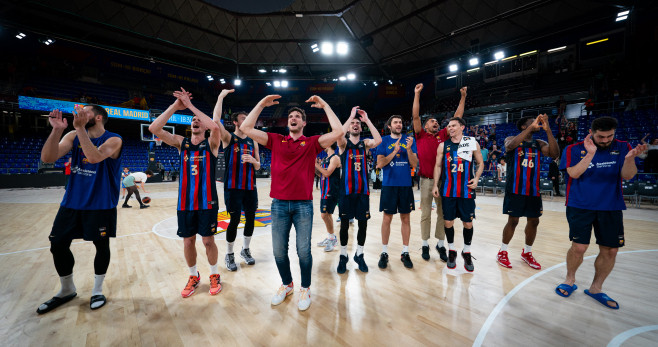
(238, 200)
(608, 226)
(202, 222)
(354, 206)
(517, 205)
(89, 225)
(328, 205)
(396, 200)
(462, 208)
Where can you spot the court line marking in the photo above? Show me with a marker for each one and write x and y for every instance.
(501, 304)
(621, 338)
(73, 243)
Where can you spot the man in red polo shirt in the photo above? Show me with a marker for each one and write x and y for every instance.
(428, 140)
(293, 170)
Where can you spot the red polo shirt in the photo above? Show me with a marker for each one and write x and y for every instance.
(293, 166)
(427, 145)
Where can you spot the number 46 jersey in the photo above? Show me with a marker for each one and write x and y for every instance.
(523, 164)
(355, 175)
(196, 189)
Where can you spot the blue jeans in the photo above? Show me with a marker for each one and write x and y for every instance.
(285, 213)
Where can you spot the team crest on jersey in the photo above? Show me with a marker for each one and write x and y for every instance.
(186, 158)
(448, 157)
(583, 152)
(102, 231)
(303, 143)
(236, 149)
(187, 145)
(85, 161)
(521, 153)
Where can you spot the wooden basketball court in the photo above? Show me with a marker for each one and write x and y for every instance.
(427, 305)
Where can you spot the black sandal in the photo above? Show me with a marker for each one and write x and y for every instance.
(97, 298)
(55, 302)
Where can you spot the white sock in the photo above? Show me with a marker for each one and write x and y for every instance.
(527, 249)
(245, 244)
(451, 246)
(67, 286)
(385, 248)
(467, 248)
(405, 249)
(193, 271)
(425, 244)
(214, 270)
(441, 243)
(503, 248)
(98, 285)
(229, 247)
(359, 250)
(343, 250)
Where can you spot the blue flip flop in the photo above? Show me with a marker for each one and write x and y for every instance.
(603, 298)
(567, 288)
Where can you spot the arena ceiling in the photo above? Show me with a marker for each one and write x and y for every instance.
(387, 38)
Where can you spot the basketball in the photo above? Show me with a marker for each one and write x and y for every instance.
(146, 200)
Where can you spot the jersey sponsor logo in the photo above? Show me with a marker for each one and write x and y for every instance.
(615, 152)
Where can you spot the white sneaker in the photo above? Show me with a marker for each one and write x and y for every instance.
(323, 243)
(282, 293)
(304, 299)
(331, 243)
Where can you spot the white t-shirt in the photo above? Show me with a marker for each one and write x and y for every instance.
(502, 169)
(139, 177)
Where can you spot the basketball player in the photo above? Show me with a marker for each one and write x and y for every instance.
(293, 171)
(522, 194)
(197, 194)
(355, 196)
(397, 193)
(242, 159)
(130, 182)
(458, 184)
(329, 169)
(88, 209)
(594, 198)
(428, 139)
(124, 174)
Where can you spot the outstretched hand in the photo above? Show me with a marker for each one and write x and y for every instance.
(225, 92)
(184, 97)
(56, 120)
(353, 112)
(639, 149)
(364, 116)
(463, 91)
(317, 102)
(270, 100)
(419, 88)
(81, 117)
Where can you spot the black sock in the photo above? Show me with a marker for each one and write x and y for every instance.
(450, 234)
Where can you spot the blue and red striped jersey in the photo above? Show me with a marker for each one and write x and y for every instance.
(330, 186)
(523, 166)
(196, 189)
(355, 168)
(239, 175)
(455, 173)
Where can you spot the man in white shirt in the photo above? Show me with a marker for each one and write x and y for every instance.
(502, 169)
(130, 182)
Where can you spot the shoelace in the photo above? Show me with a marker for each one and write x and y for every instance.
(214, 281)
(282, 290)
(191, 282)
(304, 293)
(247, 253)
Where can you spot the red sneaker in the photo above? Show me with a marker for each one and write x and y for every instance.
(191, 285)
(503, 260)
(215, 285)
(530, 260)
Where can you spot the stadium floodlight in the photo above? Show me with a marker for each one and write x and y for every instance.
(374, 83)
(351, 76)
(222, 81)
(237, 82)
(621, 18)
(275, 70)
(327, 48)
(390, 82)
(283, 70)
(20, 36)
(48, 42)
(315, 48)
(277, 84)
(261, 70)
(453, 67)
(473, 61)
(341, 48)
(499, 55)
(557, 49)
(268, 84)
(284, 84)
(209, 78)
(342, 78)
(449, 77)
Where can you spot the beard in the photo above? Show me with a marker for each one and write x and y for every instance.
(602, 146)
(90, 123)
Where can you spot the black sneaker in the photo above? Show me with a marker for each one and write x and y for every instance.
(144, 206)
(426, 252)
(246, 255)
(452, 259)
(362, 263)
(230, 262)
(342, 264)
(468, 263)
(442, 253)
(406, 260)
(383, 260)
(125, 206)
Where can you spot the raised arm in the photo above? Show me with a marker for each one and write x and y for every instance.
(157, 127)
(415, 109)
(437, 170)
(462, 103)
(206, 121)
(342, 142)
(54, 149)
(551, 148)
(629, 170)
(217, 116)
(336, 128)
(248, 126)
(514, 141)
(110, 148)
(376, 137)
(577, 170)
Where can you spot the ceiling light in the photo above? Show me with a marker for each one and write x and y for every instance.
(262, 70)
(390, 82)
(315, 48)
(510, 57)
(327, 48)
(490, 62)
(277, 84)
(284, 84)
(335, 79)
(619, 19)
(283, 70)
(473, 70)
(237, 82)
(375, 83)
(449, 77)
(20, 36)
(473, 61)
(268, 84)
(557, 49)
(342, 78)
(597, 41)
(499, 55)
(341, 48)
(453, 67)
(351, 76)
(222, 80)
(275, 70)
(528, 53)
(623, 13)
(209, 78)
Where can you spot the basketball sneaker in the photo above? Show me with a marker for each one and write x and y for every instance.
(330, 244)
(361, 262)
(215, 284)
(468, 262)
(342, 264)
(404, 257)
(230, 262)
(503, 260)
(426, 252)
(282, 293)
(383, 260)
(304, 299)
(530, 260)
(246, 255)
(452, 259)
(191, 285)
(144, 206)
(125, 206)
(323, 242)
(442, 253)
